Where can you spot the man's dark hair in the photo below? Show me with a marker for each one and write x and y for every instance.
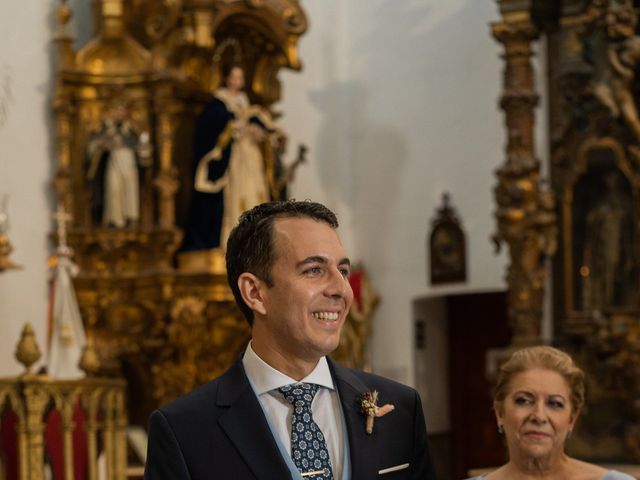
(250, 247)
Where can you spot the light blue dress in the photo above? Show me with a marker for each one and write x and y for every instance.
(610, 475)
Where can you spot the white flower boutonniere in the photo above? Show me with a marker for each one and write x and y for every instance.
(368, 403)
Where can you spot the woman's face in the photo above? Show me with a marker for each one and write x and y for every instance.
(536, 413)
(235, 79)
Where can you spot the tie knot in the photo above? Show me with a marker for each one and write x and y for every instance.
(299, 394)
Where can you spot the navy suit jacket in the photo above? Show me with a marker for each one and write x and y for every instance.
(219, 431)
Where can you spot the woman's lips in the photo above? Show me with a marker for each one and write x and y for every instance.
(536, 435)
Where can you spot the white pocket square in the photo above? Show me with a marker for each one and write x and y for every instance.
(393, 469)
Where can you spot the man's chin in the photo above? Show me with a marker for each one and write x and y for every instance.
(332, 347)
(326, 347)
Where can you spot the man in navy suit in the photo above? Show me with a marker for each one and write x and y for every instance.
(289, 274)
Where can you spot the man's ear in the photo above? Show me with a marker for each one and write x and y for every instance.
(251, 288)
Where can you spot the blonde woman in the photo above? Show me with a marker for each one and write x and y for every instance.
(537, 400)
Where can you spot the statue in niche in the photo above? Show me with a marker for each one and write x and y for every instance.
(115, 156)
(607, 265)
(230, 175)
(614, 84)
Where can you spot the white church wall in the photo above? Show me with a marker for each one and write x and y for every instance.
(413, 112)
(316, 104)
(25, 168)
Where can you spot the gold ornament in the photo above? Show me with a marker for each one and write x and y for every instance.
(27, 350)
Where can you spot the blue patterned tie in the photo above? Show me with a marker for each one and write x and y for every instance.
(308, 447)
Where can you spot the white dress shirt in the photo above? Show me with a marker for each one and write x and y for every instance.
(325, 407)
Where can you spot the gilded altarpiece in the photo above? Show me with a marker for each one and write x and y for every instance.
(595, 174)
(588, 219)
(141, 81)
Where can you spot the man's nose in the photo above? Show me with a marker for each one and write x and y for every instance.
(337, 284)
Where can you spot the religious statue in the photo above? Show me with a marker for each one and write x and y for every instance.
(229, 167)
(614, 85)
(607, 263)
(67, 337)
(283, 174)
(115, 156)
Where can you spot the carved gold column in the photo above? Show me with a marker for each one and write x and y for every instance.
(120, 436)
(525, 215)
(166, 182)
(35, 402)
(108, 439)
(62, 108)
(68, 425)
(92, 434)
(62, 181)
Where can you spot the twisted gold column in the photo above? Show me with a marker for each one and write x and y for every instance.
(525, 214)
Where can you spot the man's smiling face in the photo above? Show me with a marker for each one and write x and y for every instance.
(310, 297)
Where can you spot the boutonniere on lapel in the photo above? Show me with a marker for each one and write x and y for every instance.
(368, 403)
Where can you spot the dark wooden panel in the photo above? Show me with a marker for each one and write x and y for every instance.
(477, 322)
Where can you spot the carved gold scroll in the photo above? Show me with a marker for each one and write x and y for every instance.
(594, 167)
(593, 57)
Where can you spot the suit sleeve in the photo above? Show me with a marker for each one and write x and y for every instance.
(424, 468)
(164, 457)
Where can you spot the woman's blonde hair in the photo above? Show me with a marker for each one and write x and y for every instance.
(541, 357)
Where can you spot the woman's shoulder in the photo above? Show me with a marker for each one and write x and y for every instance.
(609, 475)
(615, 475)
(491, 474)
(589, 470)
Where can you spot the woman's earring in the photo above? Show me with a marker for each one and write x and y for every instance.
(569, 434)
(501, 430)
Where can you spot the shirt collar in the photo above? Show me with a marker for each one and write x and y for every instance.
(266, 378)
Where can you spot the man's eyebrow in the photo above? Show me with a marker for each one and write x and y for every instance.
(312, 259)
(322, 260)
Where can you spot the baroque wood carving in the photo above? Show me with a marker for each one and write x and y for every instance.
(593, 55)
(595, 145)
(138, 85)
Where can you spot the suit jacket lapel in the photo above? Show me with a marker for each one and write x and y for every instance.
(362, 447)
(247, 428)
